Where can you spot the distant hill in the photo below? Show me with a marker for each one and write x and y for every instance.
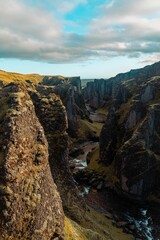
(11, 77)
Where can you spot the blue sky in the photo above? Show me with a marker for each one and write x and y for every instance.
(89, 38)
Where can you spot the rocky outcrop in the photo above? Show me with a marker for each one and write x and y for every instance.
(141, 74)
(30, 205)
(75, 106)
(69, 90)
(52, 115)
(34, 155)
(97, 93)
(108, 139)
(138, 159)
(120, 87)
(60, 80)
(130, 138)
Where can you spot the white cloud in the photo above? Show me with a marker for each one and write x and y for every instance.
(151, 58)
(127, 27)
(27, 32)
(30, 31)
(27, 21)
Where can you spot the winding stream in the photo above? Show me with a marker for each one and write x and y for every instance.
(140, 220)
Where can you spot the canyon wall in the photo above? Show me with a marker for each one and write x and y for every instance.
(130, 137)
(30, 205)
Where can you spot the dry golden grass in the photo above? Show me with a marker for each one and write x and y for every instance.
(106, 171)
(88, 129)
(73, 230)
(105, 227)
(8, 77)
(102, 111)
(95, 226)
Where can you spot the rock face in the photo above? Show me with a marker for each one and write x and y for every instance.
(69, 90)
(120, 87)
(130, 138)
(108, 139)
(34, 155)
(30, 206)
(53, 117)
(138, 159)
(97, 93)
(59, 80)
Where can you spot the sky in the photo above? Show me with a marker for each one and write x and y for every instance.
(87, 38)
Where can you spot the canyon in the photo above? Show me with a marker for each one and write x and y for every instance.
(71, 157)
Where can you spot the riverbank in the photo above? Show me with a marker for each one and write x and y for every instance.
(139, 220)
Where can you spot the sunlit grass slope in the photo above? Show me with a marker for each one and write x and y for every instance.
(8, 77)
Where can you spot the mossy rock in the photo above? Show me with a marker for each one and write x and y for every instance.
(108, 172)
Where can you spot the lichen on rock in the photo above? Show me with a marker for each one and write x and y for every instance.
(53, 117)
(30, 204)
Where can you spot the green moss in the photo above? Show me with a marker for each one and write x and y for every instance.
(5, 190)
(124, 109)
(40, 151)
(106, 171)
(102, 111)
(45, 100)
(17, 95)
(73, 230)
(88, 129)
(104, 226)
(131, 84)
(4, 106)
(94, 226)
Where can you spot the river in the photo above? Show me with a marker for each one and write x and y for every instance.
(142, 221)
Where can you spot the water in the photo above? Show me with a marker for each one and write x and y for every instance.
(79, 163)
(141, 223)
(144, 219)
(145, 222)
(84, 191)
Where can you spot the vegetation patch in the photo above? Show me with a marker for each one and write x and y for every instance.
(8, 77)
(102, 111)
(124, 109)
(89, 130)
(107, 172)
(103, 228)
(73, 230)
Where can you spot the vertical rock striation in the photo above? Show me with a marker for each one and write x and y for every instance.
(120, 87)
(52, 115)
(69, 90)
(30, 206)
(130, 138)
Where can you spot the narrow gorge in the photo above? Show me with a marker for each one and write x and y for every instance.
(77, 162)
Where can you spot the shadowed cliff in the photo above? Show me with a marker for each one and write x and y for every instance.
(130, 138)
(53, 117)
